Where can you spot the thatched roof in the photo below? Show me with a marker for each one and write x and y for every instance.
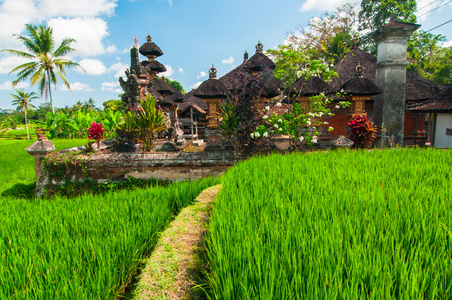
(275, 81)
(259, 61)
(417, 88)
(161, 86)
(307, 87)
(191, 99)
(236, 79)
(212, 88)
(154, 93)
(440, 103)
(361, 86)
(195, 107)
(268, 89)
(153, 66)
(150, 48)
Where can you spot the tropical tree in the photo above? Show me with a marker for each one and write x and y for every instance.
(22, 100)
(45, 62)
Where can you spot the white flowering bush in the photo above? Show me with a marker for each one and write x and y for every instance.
(301, 125)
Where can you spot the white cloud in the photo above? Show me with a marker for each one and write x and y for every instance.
(170, 2)
(8, 85)
(447, 44)
(196, 85)
(119, 67)
(79, 8)
(181, 71)
(77, 86)
(228, 61)
(169, 71)
(92, 67)
(16, 13)
(201, 75)
(88, 33)
(111, 87)
(324, 4)
(8, 63)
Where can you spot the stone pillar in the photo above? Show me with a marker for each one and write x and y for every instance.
(391, 66)
(39, 150)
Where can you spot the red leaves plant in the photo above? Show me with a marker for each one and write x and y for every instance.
(362, 131)
(96, 132)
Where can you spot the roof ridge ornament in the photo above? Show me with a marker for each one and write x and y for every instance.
(212, 73)
(259, 47)
(245, 56)
(149, 38)
(359, 70)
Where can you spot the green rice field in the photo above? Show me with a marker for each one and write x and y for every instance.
(17, 166)
(334, 225)
(87, 247)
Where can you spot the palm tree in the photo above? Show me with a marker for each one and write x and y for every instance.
(45, 63)
(22, 100)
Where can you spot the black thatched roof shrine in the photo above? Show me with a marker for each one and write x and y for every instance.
(154, 66)
(307, 87)
(150, 48)
(212, 87)
(359, 85)
(417, 88)
(440, 103)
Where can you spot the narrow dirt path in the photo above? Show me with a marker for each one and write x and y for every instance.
(173, 271)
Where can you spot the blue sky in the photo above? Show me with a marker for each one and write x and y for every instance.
(193, 34)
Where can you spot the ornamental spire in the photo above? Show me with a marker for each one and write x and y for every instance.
(259, 47)
(212, 73)
(359, 70)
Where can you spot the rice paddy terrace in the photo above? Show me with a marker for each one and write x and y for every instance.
(334, 224)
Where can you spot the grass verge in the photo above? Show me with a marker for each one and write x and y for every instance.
(177, 267)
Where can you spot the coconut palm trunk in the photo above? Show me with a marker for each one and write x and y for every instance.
(50, 91)
(26, 124)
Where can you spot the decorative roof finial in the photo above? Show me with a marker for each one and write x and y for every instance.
(359, 70)
(245, 56)
(149, 38)
(259, 47)
(212, 73)
(136, 42)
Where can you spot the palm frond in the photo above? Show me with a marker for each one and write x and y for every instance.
(25, 67)
(65, 81)
(19, 53)
(64, 48)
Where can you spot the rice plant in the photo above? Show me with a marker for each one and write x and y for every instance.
(83, 248)
(334, 225)
(17, 166)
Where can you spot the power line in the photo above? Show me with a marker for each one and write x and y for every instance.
(439, 25)
(426, 5)
(434, 9)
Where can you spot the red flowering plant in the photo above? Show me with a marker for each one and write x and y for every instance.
(96, 132)
(362, 131)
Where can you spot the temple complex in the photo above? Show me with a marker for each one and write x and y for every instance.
(142, 80)
(253, 81)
